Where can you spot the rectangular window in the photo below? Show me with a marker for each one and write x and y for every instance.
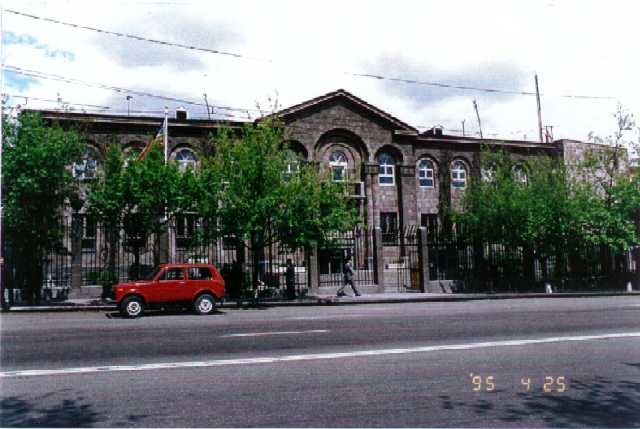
(337, 172)
(429, 221)
(458, 179)
(425, 178)
(389, 227)
(185, 230)
(89, 231)
(173, 274)
(386, 175)
(200, 273)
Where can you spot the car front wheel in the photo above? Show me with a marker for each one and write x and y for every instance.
(131, 306)
(205, 304)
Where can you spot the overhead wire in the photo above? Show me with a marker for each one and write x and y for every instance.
(244, 118)
(269, 60)
(43, 75)
(60, 101)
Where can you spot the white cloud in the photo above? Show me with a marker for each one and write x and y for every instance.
(576, 47)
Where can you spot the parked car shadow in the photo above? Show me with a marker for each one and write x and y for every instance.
(163, 313)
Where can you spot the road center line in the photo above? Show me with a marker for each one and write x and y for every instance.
(337, 316)
(260, 334)
(313, 356)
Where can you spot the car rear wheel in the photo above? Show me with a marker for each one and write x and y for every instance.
(205, 304)
(132, 306)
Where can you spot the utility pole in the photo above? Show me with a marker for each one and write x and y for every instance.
(129, 105)
(539, 108)
(207, 103)
(548, 133)
(475, 106)
(463, 128)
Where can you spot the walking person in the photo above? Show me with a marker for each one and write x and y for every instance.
(348, 278)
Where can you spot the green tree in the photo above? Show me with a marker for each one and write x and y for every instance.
(557, 211)
(140, 200)
(531, 215)
(37, 183)
(153, 193)
(106, 204)
(253, 189)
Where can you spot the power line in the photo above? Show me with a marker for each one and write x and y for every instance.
(271, 61)
(43, 75)
(28, 97)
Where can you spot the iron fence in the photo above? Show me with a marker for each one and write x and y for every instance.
(356, 244)
(495, 267)
(88, 255)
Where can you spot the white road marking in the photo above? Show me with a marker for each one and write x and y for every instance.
(261, 334)
(313, 356)
(337, 316)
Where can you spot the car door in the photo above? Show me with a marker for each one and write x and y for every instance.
(170, 285)
(199, 278)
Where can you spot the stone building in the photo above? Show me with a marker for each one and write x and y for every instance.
(399, 176)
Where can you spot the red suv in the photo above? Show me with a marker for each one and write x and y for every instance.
(199, 285)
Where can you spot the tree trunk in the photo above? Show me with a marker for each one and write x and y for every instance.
(528, 266)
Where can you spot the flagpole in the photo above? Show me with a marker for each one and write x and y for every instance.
(165, 134)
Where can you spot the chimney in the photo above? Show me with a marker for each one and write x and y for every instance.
(435, 131)
(181, 114)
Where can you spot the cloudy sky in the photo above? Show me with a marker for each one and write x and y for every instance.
(296, 50)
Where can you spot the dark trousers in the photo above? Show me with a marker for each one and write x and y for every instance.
(350, 283)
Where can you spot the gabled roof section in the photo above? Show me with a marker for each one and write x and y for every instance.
(341, 94)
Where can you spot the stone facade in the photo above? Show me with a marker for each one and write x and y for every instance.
(341, 122)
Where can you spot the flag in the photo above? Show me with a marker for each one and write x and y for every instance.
(162, 133)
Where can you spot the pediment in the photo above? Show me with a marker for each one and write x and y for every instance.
(345, 99)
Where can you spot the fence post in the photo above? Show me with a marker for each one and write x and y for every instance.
(313, 279)
(76, 251)
(423, 259)
(378, 259)
(637, 267)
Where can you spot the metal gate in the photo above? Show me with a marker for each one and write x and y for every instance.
(356, 244)
(407, 266)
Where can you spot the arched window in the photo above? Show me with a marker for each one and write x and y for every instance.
(87, 167)
(426, 174)
(520, 174)
(458, 175)
(338, 165)
(185, 158)
(386, 169)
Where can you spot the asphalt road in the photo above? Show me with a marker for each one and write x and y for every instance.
(471, 364)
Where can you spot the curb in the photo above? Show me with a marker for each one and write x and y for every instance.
(333, 300)
(59, 308)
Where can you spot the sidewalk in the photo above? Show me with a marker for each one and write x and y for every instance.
(92, 304)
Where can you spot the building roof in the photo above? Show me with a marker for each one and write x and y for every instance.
(102, 118)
